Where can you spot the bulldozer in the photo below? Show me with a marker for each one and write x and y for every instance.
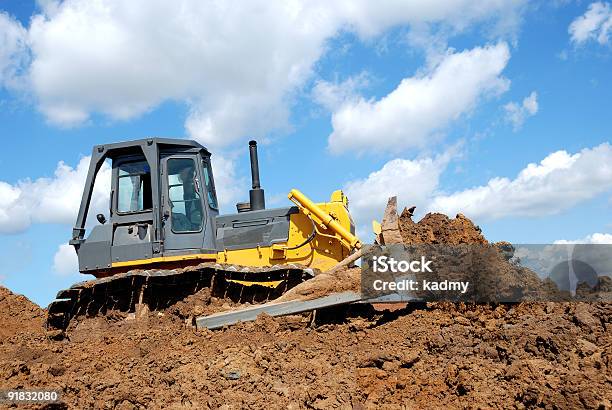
(165, 238)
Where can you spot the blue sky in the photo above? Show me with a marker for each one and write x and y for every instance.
(442, 103)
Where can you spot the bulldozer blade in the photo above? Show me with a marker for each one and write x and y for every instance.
(222, 319)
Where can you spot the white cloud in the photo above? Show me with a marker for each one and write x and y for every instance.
(51, 200)
(595, 238)
(421, 106)
(65, 261)
(594, 24)
(517, 114)
(123, 59)
(412, 181)
(557, 183)
(13, 50)
(230, 188)
(332, 95)
(235, 65)
(369, 18)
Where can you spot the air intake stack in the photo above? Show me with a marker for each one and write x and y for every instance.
(256, 194)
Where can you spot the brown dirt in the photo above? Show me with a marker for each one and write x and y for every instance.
(437, 228)
(549, 355)
(471, 257)
(18, 315)
(443, 355)
(201, 303)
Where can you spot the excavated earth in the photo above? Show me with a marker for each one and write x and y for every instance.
(437, 355)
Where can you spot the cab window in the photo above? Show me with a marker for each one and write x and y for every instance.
(134, 187)
(210, 188)
(184, 196)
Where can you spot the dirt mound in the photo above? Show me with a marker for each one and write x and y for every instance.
(468, 257)
(18, 315)
(201, 303)
(444, 355)
(437, 228)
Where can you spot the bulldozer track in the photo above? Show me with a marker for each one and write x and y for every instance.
(161, 288)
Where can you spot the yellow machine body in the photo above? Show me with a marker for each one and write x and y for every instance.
(326, 249)
(333, 241)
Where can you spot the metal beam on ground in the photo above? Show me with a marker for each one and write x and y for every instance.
(218, 320)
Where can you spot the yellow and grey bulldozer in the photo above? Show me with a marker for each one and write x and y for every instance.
(165, 240)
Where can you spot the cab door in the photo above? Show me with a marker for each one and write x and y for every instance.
(132, 205)
(183, 210)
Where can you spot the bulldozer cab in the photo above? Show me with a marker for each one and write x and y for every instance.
(162, 203)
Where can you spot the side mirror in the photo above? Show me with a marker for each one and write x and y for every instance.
(101, 218)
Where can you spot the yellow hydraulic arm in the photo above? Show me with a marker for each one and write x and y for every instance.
(325, 220)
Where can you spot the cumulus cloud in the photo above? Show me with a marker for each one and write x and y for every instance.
(369, 18)
(230, 187)
(235, 65)
(557, 183)
(51, 200)
(332, 95)
(595, 238)
(412, 181)
(65, 261)
(412, 114)
(122, 59)
(13, 50)
(594, 24)
(516, 114)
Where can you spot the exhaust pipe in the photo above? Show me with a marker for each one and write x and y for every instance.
(256, 194)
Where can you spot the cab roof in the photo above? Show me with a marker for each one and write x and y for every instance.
(164, 144)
